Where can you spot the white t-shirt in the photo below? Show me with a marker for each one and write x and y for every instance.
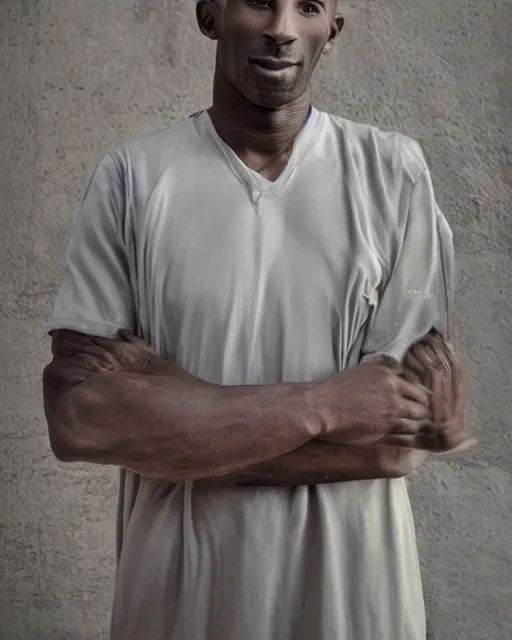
(245, 281)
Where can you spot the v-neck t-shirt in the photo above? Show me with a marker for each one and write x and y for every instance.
(245, 281)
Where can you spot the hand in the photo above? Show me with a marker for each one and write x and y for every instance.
(432, 352)
(398, 462)
(371, 403)
(90, 355)
(433, 362)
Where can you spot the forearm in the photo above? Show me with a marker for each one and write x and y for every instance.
(180, 428)
(154, 418)
(319, 462)
(315, 462)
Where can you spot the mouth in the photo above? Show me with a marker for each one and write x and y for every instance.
(273, 64)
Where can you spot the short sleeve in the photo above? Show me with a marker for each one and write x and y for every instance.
(95, 295)
(419, 292)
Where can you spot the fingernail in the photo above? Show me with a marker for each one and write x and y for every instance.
(450, 346)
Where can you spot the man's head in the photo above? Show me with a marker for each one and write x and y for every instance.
(267, 50)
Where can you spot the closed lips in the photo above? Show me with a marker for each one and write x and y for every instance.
(272, 63)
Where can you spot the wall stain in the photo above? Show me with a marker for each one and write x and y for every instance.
(141, 10)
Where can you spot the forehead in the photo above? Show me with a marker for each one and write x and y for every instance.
(335, 3)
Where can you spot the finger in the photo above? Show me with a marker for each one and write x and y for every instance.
(445, 347)
(86, 362)
(69, 370)
(467, 444)
(91, 353)
(453, 438)
(71, 341)
(412, 363)
(86, 351)
(412, 410)
(101, 350)
(410, 376)
(409, 426)
(105, 359)
(420, 440)
(128, 336)
(438, 400)
(399, 440)
(436, 351)
(434, 439)
(417, 392)
(425, 351)
(427, 438)
(458, 385)
(441, 350)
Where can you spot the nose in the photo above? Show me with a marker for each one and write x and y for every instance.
(281, 28)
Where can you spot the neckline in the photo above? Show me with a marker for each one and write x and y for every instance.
(254, 183)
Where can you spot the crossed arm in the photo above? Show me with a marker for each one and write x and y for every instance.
(108, 405)
(318, 462)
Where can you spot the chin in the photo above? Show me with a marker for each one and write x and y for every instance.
(272, 99)
(270, 102)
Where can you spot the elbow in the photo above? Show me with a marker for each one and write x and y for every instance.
(62, 438)
(62, 430)
(399, 462)
(409, 461)
(72, 439)
(61, 449)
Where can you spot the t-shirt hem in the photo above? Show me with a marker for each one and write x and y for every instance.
(399, 348)
(91, 327)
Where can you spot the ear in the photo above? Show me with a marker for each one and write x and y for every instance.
(336, 29)
(207, 15)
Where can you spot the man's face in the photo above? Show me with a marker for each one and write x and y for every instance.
(268, 49)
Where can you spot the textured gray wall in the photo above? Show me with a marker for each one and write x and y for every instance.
(77, 77)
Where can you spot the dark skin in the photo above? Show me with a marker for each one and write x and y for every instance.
(116, 402)
(259, 114)
(98, 393)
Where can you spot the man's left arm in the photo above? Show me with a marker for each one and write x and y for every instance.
(417, 298)
(418, 293)
(315, 462)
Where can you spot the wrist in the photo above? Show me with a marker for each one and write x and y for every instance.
(157, 366)
(317, 414)
(398, 462)
(326, 400)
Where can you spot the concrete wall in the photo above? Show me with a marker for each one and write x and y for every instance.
(77, 77)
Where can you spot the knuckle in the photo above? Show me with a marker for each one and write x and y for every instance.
(411, 459)
(392, 385)
(401, 424)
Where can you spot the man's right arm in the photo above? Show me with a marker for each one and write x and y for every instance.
(175, 427)
(117, 404)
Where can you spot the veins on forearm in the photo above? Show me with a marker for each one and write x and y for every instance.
(317, 462)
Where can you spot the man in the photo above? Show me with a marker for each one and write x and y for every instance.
(281, 262)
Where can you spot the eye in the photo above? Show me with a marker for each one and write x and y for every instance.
(310, 8)
(259, 4)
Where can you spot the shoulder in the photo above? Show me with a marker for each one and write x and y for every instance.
(390, 176)
(132, 168)
(150, 151)
(397, 157)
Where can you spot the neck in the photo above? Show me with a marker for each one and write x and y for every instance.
(250, 129)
